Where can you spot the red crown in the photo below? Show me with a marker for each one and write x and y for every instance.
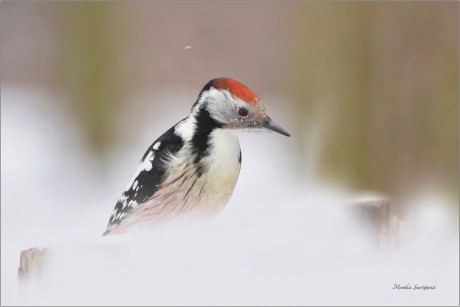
(237, 89)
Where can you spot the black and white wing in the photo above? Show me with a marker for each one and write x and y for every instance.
(149, 176)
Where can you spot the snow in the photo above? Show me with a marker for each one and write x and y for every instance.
(282, 239)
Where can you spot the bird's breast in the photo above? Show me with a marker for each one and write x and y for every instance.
(190, 190)
(207, 191)
(222, 164)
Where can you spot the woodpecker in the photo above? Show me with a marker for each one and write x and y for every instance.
(191, 170)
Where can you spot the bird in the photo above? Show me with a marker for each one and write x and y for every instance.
(191, 170)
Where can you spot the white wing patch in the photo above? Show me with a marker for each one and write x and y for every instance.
(145, 165)
(186, 128)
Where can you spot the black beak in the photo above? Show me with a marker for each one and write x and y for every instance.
(271, 125)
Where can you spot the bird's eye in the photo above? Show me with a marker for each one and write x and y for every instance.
(243, 112)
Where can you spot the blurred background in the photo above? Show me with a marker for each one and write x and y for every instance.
(368, 90)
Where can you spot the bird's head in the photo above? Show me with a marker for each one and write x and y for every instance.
(234, 106)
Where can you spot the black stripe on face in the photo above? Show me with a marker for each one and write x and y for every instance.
(205, 124)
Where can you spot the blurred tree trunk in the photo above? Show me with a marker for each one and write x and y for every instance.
(382, 81)
(88, 58)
